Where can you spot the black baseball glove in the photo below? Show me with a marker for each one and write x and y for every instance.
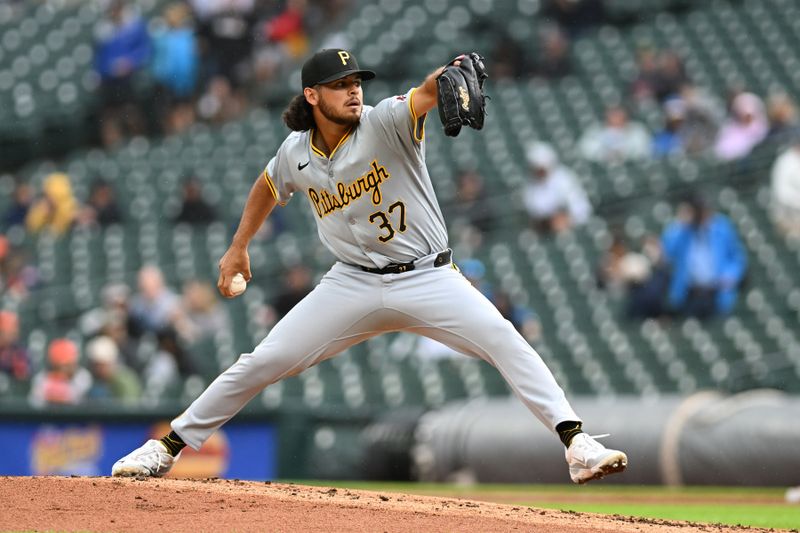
(461, 99)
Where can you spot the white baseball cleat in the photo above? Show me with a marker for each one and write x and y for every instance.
(151, 459)
(588, 459)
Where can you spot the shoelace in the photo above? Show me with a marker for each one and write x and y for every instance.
(595, 437)
(158, 456)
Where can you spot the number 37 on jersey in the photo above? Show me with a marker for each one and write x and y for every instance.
(390, 221)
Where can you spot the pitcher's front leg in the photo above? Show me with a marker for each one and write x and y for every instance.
(335, 315)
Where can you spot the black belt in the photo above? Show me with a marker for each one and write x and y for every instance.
(398, 268)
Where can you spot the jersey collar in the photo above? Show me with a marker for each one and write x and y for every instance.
(320, 152)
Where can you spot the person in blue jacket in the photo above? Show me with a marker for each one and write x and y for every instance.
(707, 260)
(122, 50)
(175, 66)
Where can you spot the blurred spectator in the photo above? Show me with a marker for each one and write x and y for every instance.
(226, 31)
(553, 197)
(17, 277)
(56, 209)
(170, 363)
(743, 130)
(472, 206)
(660, 76)
(21, 201)
(101, 208)
(194, 209)
(524, 320)
(613, 271)
(647, 292)
(273, 226)
(617, 140)
(14, 360)
(642, 276)
(670, 141)
(122, 51)
(786, 189)
(644, 84)
(5, 248)
(111, 319)
(574, 16)
(175, 69)
(509, 60)
(703, 115)
(671, 76)
(297, 283)
(226, 34)
(782, 115)
(112, 379)
(116, 328)
(113, 300)
(221, 102)
(65, 382)
(155, 306)
(201, 314)
(706, 258)
(288, 28)
(553, 59)
(283, 36)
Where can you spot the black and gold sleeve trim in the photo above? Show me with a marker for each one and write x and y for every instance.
(272, 188)
(419, 122)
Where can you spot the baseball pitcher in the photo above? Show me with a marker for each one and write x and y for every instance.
(362, 171)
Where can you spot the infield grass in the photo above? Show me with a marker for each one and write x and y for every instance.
(758, 507)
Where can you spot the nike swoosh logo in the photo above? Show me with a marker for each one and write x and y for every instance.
(301, 167)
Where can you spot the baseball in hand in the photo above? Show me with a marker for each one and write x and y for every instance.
(238, 284)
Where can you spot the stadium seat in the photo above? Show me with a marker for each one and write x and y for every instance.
(587, 343)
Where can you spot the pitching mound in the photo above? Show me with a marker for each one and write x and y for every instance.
(176, 505)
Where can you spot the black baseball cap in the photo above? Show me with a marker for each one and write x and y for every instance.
(331, 64)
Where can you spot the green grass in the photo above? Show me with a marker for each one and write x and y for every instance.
(767, 516)
(758, 507)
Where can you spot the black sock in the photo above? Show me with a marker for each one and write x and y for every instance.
(567, 430)
(173, 443)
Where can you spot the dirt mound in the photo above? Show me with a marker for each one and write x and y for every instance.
(177, 505)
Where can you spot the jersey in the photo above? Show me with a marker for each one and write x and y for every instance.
(372, 198)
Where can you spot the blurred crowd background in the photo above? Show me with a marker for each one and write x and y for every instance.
(632, 206)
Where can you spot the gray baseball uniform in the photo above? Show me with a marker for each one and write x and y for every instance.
(375, 208)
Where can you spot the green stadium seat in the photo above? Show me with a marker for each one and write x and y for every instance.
(45, 89)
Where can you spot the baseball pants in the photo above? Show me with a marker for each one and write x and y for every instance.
(349, 306)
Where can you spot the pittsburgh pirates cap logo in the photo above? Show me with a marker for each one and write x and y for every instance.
(331, 64)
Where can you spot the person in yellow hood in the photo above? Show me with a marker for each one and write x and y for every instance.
(55, 210)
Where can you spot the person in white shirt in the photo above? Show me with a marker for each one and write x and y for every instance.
(619, 139)
(155, 306)
(553, 197)
(785, 179)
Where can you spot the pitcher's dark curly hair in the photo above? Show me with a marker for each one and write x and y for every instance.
(298, 115)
